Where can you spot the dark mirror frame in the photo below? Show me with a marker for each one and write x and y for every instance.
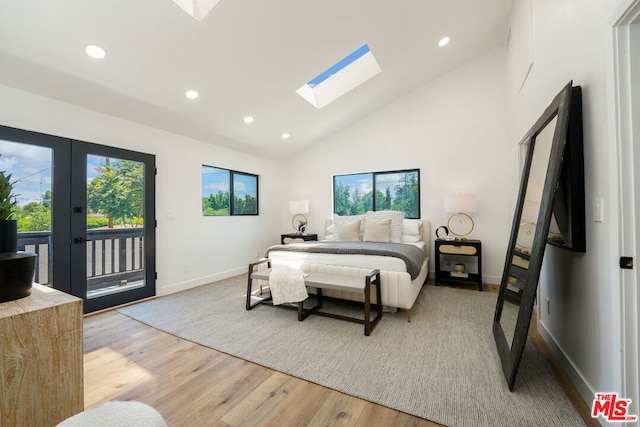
(511, 353)
(569, 203)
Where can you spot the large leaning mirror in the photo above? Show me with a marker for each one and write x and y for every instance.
(545, 144)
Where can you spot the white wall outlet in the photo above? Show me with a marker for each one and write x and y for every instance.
(598, 209)
(185, 268)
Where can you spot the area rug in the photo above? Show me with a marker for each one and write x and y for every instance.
(443, 366)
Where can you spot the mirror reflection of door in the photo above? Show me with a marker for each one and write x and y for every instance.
(517, 274)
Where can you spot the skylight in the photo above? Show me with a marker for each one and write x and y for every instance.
(198, 9)
(342, 77)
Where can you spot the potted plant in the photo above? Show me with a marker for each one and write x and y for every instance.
(16, 268)
(8, 226)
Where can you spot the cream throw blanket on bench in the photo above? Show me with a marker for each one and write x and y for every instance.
(287, 285)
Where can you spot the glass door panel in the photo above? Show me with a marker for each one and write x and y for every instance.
(113, 225)
(30, 168)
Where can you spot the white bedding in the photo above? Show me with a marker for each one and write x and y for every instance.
(398, 290)
(383, 263)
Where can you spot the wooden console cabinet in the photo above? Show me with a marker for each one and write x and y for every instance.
(41, 366)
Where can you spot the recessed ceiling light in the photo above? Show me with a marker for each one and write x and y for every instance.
(95, 51)
(444, 41)
(192, 94)
(248, 119)
(285, 136)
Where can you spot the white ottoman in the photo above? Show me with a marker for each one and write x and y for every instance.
(117, 414)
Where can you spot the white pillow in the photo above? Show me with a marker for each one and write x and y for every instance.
(411, 230)
(349, 218)
(410, 239)
(329, 229)
(347, 231)
(396, 217)
(377, 230)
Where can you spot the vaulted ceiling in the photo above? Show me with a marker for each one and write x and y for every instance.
(245, 58)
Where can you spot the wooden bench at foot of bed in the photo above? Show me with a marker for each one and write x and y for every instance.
(322, 281)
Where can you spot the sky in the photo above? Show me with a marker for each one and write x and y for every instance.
(215, 180)
(362, 181)
(31, 170)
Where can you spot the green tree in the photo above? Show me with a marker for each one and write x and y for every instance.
(216, 204)
(46, 199)
(34, 217)
(248, 205)
(342, 202)
(383, 200)
(406, 195)
(118, 191)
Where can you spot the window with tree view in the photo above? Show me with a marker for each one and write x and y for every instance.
(115, 192)
(226, 192)
(377, 191)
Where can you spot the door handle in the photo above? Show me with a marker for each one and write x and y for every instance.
(81, 240)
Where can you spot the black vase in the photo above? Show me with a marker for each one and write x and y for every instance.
(8, 235)
(16, 268)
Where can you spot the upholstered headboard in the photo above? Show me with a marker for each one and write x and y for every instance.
(413, 230)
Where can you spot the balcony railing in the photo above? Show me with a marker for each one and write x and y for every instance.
(115, 257)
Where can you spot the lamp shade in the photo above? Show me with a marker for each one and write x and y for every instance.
(299, 207)
(461, 203)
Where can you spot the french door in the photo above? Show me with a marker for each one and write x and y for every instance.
(112, 225)
(88, 212)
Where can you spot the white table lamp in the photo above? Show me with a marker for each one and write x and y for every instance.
(298, 208)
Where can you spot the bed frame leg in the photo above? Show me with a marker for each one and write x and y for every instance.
(408, 310)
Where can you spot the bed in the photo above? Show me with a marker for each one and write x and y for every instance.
(354, 245)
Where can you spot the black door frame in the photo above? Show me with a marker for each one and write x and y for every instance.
(69, 186)
(78, 208)
(61, 179)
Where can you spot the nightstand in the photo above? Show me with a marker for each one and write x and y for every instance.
(297, 238)
(459, 261)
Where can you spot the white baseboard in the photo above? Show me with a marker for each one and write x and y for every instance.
(492, 280)
(192, 283)
(586, 391)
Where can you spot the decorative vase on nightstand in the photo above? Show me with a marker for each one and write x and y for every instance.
(16, 268)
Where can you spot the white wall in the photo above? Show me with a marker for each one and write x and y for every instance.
(453, 130)
(572, 41)
(211, 248)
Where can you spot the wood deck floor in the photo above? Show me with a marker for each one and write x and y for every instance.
(192, 385)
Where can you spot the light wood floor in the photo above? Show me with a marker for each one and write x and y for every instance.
(192, 385)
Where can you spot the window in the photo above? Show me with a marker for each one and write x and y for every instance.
(377, 191)
(226, 192)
